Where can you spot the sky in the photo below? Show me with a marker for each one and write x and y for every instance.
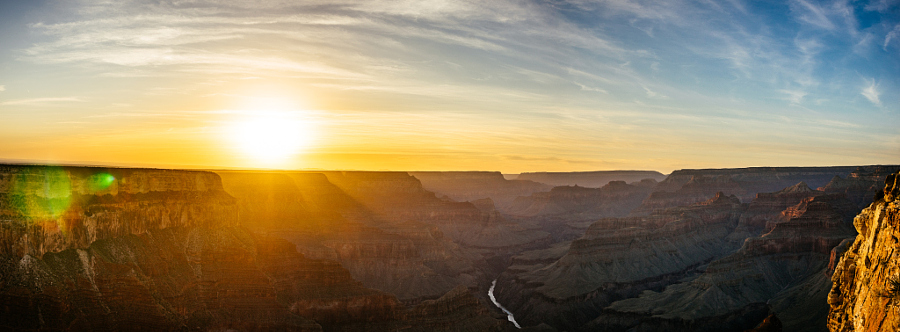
(511, 86)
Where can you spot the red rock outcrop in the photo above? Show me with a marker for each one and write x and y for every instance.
(768, 208)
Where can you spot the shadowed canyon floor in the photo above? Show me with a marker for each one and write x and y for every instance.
(92, 248)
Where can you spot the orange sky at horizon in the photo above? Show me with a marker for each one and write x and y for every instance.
(447, 85)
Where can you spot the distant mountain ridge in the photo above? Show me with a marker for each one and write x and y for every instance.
(592, 179)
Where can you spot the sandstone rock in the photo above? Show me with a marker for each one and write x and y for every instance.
(863, 296)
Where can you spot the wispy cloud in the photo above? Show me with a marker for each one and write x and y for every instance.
(794, 96)
(812, 14)
(40, 101)
(2, 88)
(870, 91)
(543, 67)
(894, 34)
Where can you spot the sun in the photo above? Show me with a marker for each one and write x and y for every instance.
(271, 138)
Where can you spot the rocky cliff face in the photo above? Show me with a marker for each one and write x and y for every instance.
(136, 249)
(784, 271)
(618, 258)
(866, 289)
(50, 209)
(775, 257)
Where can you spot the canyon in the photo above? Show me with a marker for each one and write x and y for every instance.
(122, 249)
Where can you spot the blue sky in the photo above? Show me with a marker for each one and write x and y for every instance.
(435, 85)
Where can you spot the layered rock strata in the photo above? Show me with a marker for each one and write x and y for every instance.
(134, 249)
(384, 227)
(684, 187)
(618, 258)
(784, 271)
(866, 289)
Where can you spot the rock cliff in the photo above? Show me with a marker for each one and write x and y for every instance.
(112, 249)
(784, 271)
(866, 289)
(618, 258)
(50, 209)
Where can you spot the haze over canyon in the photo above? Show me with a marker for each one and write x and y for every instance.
(449, 165)
(122, 249)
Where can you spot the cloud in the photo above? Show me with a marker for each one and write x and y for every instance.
(812, 14)
(870, 91)
(40, 101)
(794, 96)
(2, 88)
(891, 36)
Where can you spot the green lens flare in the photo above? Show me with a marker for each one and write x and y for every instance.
(100, 182)
(41, 193)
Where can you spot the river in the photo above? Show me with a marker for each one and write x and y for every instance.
(509, 315)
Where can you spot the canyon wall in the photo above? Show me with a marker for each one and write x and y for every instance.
(595, 179)
(618, 258)
(471, 186)
(866, 290)
(684, 187)
(112, 249)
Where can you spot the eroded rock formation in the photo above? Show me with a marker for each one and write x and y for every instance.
(133, 249)
(866, 290)
(684, 187)
(784, 271)
(618, 258)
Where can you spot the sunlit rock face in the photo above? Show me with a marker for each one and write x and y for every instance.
(156, 249)
(618, 258)
(132, 249)
(50, 209)
(866, 292)
(684, 187)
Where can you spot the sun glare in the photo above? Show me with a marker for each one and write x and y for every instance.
(271, 138)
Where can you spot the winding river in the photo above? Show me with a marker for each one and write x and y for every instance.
(509, 315)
